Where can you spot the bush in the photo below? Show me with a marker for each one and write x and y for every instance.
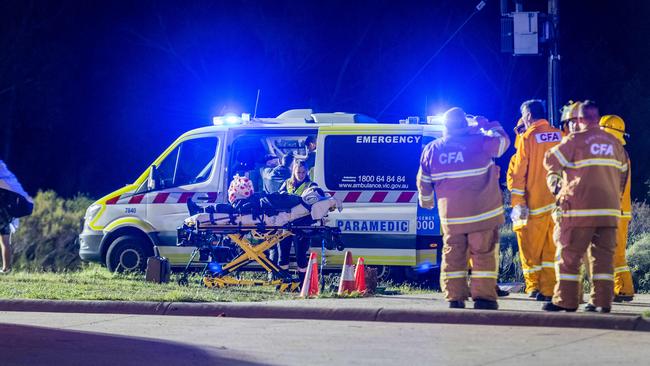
(509, 263)
(640, 223)
(47, 240)
(638, 257)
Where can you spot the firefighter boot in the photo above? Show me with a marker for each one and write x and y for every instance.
(485, 304)
(549, 306)
(592, 309)
(457, 304)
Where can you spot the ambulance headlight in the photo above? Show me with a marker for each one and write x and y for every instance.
(91, 212)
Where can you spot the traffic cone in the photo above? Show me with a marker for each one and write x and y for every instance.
(347, 283)
(360, 276)
(310, 284)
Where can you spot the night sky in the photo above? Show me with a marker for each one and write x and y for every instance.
(91, 92)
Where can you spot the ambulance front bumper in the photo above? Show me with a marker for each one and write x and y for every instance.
(89, 246)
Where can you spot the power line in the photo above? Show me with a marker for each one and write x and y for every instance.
(478, 8)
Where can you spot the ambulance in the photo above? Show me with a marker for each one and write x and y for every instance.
(370, 167)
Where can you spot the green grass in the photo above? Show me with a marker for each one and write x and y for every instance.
(94, 282)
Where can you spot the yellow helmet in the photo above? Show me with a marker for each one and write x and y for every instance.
(614, 125)
(569, 112)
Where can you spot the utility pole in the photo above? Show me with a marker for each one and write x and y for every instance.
(522, 33)
(553, 62)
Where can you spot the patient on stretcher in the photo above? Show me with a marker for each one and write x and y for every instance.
(252, 209)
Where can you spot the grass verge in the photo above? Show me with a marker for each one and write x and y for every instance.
(94, 282)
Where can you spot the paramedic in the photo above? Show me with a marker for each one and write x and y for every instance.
(296, 185)
(14, 203)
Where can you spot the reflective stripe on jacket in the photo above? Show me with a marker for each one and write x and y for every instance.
(594, 169)
(461, 170)
(526, 177)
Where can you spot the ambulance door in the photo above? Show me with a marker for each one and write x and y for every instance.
(371, 169)
(188, 171)
(429, 235)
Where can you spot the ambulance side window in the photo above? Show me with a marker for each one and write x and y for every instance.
(189, 163)
(372, 162)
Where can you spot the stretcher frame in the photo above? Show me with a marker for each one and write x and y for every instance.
(270, 237)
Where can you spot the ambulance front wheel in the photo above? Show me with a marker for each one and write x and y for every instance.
(128, 253)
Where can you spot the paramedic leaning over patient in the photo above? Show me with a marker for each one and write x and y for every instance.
(297, 184)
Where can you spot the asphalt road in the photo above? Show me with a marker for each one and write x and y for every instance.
(109, 339)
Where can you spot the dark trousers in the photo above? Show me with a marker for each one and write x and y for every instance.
(301, 246)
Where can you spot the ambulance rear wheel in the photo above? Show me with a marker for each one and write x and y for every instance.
(394, 274)
(128, 253)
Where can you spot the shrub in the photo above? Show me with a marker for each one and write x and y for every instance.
(509, 263)
(640, 223)
(638, 256)
(46, 240)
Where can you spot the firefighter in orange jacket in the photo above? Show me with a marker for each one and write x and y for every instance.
(587, 172)
(461, 169)
(531, 201)
(623, 285)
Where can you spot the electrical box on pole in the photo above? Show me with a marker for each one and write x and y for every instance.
(533, 33)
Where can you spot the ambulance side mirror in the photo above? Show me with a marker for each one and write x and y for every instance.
(152, 179)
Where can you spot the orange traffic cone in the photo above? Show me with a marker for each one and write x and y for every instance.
(360, 276)
(347, 283)
(310, 284)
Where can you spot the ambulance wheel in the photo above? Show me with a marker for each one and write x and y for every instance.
(128, 253)
(394, 274)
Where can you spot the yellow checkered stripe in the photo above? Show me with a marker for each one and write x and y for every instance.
(548, 264)
(532, 269)
(427, 198)
(613, 163)
(472, 219)
(461, 173)
(542, 210)
(453, 274)
(603, 277)
(621, 269)
(568, 277)
(518, 192)
(593, 212)
(484, 274)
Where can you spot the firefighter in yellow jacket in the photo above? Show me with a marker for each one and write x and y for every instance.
(623, 286)
(461, 169)
(587, 172)
(532, 202)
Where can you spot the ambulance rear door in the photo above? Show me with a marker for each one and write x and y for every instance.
(372, 169)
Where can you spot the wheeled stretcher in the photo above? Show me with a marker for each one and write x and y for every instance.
(227, 242)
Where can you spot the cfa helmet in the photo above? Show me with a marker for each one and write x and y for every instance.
(569, 113)
(614, 125)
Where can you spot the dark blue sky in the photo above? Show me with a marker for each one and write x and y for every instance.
(90, 93)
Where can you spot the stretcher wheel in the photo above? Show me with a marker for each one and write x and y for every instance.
(183, 281)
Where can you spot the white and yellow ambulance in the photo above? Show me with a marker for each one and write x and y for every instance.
(371, 167)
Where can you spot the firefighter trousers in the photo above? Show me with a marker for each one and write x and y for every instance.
(572, 245)
(481, 248)
(622, 276)
(537, 254)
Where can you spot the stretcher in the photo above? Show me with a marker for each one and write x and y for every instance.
(227, 242)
